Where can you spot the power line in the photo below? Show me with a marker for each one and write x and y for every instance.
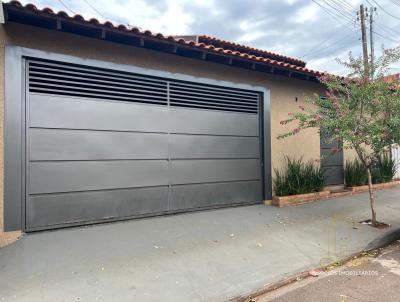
(95, 9)
(331, 38)
(66, 7)
(324, 53)
(337, 42)
(339, 9)
(329, 12)
(346, 5)
(397, 3)
(386, 29)
(369, 3)
(385, 11)
(90, 5)
(385, 37)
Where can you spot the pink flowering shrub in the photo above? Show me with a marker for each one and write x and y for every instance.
(360, 112)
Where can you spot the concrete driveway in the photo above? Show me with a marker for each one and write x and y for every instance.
(204, 256)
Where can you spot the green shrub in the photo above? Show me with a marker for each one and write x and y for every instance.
(384, 170)
(298, 177)
(356, 175)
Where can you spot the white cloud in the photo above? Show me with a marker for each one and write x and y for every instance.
(170, 20)
(251, 36)
(204, 3)
(290, 2)
(247, 25)
(306, 14)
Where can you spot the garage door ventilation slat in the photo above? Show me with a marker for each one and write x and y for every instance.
(89, 82)
(207, 97)
(67, 79)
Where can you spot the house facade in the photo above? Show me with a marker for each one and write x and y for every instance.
(103, 122)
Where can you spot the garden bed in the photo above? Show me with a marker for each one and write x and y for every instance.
(377, 187)
(283, 201)
(292, 200)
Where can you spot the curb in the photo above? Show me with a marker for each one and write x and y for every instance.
(378, 244)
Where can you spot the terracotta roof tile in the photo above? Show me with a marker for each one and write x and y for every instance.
(392, 77)
(159, 36)
(237, 45)
(48, 10)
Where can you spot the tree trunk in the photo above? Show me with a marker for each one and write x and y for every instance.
(371, 197)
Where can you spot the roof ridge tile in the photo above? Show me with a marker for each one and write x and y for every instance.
(251, 48)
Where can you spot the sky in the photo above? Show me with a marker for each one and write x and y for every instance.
(317, 31)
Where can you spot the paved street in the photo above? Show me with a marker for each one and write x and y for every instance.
(367, 279)
(204, 256)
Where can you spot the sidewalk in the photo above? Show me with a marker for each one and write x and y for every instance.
(362, 279)
(205, 256)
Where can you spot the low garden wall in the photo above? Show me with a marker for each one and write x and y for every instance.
(283, 201)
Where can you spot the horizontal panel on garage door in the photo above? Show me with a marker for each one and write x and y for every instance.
(213, 122)
(203, 146)
(108, 145)
(215, 194)
(78, 207)
(79, 113)
(50, 177)
(205, 171)
(62, 144)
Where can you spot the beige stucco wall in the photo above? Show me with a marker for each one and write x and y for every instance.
(349, 155)
(283, 90)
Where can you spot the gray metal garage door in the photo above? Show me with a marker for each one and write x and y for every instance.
(108, 145)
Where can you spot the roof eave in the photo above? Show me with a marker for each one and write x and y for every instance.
(149, 41)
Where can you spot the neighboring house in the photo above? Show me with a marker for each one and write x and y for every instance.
(396, 158)
(395, 152)
(105, 122)
(392, 78)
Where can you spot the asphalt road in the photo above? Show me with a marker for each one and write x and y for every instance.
(366, 279)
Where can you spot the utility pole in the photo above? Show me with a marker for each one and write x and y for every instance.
(371, 38)
(364, 40)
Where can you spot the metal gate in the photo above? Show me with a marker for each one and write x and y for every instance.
(109, 145)
(396, 158)
(331, 162)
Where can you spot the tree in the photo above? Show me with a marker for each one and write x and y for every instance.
(360, 111)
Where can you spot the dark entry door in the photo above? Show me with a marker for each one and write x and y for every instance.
(331, 162)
